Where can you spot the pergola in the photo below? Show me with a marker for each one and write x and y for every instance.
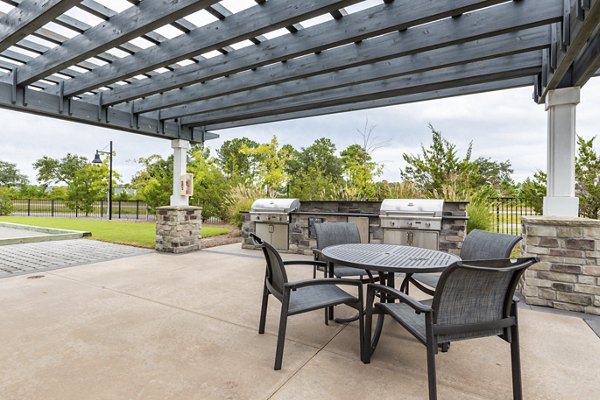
(181, 69)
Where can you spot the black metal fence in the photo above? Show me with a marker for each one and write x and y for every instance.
(506, 213)
(122, 209)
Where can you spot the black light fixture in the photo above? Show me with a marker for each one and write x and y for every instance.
(97, 160)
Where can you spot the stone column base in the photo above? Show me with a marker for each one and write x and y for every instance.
(178, 229)
(568, 274)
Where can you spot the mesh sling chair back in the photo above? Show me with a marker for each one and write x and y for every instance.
(478, 245)
(473, 299)
(330, 234)
(301, 296)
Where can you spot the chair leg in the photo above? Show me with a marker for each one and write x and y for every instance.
(431, 378)
(431, 352)
(515, 359)
(263, 311)
(281, 334)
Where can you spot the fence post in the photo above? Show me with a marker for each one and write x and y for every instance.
(52, 207)
(119, 209)
(28, 207)
(137, 209)
(101, 208)
(76, 210)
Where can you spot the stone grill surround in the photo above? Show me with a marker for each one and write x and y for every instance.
(568, 274)
(454, 223)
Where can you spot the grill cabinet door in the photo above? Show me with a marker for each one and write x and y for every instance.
(275, 234)
(396, 236)
(425, 239)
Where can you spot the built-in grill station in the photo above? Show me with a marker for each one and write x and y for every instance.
(272, 218)
(412, 222)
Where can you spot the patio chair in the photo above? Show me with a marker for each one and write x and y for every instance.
(302, 296)
(478, 245)
(330, 234)
(473, 299)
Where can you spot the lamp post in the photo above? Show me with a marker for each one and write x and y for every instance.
(97, 160)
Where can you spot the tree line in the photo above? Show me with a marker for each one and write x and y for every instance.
(241, 170)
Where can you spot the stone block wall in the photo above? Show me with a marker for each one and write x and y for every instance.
(454, 226)
(178, 229)
(568, 274)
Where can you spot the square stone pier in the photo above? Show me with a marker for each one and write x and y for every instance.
(178, 229)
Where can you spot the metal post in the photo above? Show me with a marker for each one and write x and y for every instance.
(52, 207)
(110, 185)
(28, 207)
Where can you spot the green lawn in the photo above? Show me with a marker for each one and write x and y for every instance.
(141, 234)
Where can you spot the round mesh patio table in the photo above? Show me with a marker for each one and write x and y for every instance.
(387, 259)
(390, 258)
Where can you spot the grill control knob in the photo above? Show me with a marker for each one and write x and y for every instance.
(427, 224)
(392, 223)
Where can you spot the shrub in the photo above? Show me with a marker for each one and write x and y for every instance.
(6, 205)
(479, 216)
(241, 199)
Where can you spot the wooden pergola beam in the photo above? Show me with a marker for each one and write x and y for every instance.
(514, 66)
(28, 16)
(240, 26)
(131, 23)
(355, 27)
(385, 102)
(487, 48)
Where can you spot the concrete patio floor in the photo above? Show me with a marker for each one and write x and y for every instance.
(159, 326)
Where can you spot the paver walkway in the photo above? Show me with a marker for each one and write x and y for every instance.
(9, 233)
(16, 259)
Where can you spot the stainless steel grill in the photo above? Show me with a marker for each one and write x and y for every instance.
(272, 218)
(413, 222)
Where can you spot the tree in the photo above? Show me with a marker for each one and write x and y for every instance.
(10, 175)
(587, 182)
(88, 185)
(211, 188)
(360, 171)
(315, 172)
(533, 190)
(154, 184)
(438, 166)
(271, 165)
(238, 166)
(52, 170)
(587, 172)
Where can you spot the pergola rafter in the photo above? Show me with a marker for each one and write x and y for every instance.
(384, 102)
(266, 89)
(28, 17)
(476, 72)
(128, 25)
(378, 20)
(238, 27)
(268, 62)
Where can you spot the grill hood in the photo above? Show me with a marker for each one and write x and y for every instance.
(411, 207)
(275, 205)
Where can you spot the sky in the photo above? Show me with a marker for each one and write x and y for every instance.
(503, 125)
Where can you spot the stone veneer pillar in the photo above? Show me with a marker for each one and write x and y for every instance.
(568, 274)
(178, 229)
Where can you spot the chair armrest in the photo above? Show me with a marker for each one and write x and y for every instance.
(305, 262)
(317, 252)
(403, 297)
(322, 281)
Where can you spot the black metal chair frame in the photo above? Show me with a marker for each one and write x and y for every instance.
(355, 238)
(284, 290)
(474, 248)
(439, 335)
